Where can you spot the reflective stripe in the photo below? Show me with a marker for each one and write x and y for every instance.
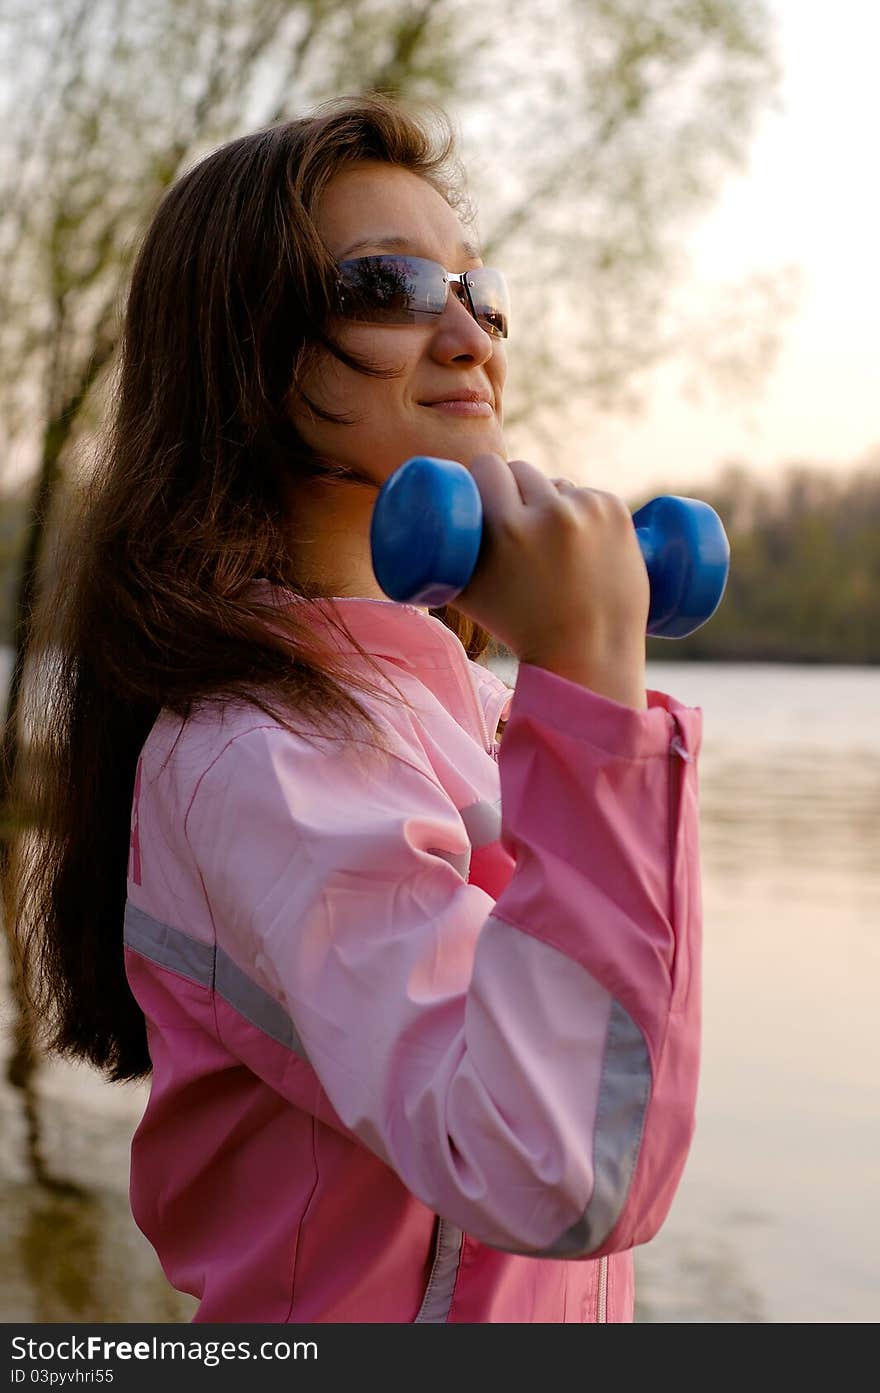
(434, 1309)
(483, 822)
(620, 1116)
(172, 948)
(168, 947)
(255, 1004)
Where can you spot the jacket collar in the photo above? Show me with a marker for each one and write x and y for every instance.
(384, 628)
(413, 640)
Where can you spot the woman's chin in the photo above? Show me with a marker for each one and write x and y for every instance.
(466, 441)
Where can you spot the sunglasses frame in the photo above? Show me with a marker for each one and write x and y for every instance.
(450, 278)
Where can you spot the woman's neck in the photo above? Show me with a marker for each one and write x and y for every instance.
(328, 536)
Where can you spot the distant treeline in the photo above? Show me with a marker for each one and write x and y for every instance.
(804, 580)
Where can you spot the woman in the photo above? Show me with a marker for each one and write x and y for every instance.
(420, 1013)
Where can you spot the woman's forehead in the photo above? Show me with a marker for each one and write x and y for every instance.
(375, 208)
(365, 246)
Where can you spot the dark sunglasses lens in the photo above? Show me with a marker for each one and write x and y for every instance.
(491, 300)
(391, 289)
(412, 290)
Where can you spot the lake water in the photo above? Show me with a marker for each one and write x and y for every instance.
(776, 1217)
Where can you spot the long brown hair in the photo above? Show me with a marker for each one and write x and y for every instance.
(146, 606)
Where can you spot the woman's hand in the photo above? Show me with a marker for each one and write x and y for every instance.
(560, 579)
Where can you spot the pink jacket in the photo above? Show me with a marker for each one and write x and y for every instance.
(424, 1030)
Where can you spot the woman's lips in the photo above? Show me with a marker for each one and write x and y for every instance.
(460, 408)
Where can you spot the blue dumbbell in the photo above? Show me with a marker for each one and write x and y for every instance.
(427, 528)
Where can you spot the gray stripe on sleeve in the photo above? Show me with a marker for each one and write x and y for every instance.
(179, 951)
(255, 1004)
(623, 1101)
(167, 946)
(482, 821)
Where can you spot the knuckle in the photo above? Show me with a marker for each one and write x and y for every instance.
(611, 506)
(568, 513)
(510, 527)
(616, 506)
(588, 502)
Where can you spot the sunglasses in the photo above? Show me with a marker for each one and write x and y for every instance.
(411, 290)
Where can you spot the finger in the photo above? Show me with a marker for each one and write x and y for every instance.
(533, 484)
(497, 484)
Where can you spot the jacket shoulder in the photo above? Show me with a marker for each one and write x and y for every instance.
(187, 748)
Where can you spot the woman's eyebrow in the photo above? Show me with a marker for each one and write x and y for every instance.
(401, 244)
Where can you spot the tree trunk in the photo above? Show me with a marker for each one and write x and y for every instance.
(22, 1065)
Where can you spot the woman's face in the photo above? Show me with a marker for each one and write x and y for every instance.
(364, 205)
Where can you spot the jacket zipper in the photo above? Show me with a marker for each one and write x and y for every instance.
(602, 1303)
(677, 777)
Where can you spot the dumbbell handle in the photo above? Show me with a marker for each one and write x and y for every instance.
(427, 529)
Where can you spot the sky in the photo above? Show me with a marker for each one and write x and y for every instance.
(809, 198)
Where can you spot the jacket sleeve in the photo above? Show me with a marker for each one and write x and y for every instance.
(526, 1065)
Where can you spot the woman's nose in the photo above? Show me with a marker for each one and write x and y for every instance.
(458, 332)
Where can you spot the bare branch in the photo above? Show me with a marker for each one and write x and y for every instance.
(408, 35)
